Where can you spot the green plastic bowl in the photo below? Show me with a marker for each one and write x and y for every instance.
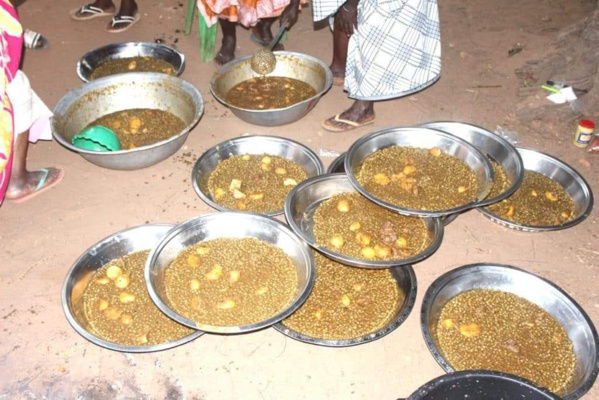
(97, 138)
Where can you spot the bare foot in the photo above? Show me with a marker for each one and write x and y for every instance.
(221, 59)
(359, 112)
(339, 124)
(225, 54)
(33, 183)
(262, 34)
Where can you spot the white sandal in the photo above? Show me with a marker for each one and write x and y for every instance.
(34, 40)
(89, 12)
(121, 23)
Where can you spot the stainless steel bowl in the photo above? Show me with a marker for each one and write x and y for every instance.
(228, 225)
(493, 146)
(406, 282)
(533, 288)
(272, 145)
(115, 246)
(103, 96)
(304, 199)
(572, 182)
(114, 51)
(423, 138)
(481, 384)
(337, 166)
(289, 64)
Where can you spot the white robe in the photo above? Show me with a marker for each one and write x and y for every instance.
(395, 49)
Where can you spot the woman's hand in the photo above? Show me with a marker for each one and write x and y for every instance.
(290, 14)
(346, 17)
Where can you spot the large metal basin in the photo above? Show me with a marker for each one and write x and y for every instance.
(337, 166)
(572, 182)
(294, 151)
(303, 201)
(405, 278)
(99, 97)
(533, 288)
(115, 51)
(493, 146)
(229, 224)
(115, 246)
(289, 64)
(426, 138)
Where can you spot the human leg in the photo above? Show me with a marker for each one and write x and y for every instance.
(24, 184)
(340, 45)
(32, 122)
(359, 114)
(125, 18)
(227, 49)
(99, 8)
(262, 33)
(128, 7)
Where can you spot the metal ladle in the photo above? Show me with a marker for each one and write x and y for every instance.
(264, 61)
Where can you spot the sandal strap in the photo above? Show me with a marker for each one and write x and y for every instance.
(89, 9)
(123, 19)
(31, 38)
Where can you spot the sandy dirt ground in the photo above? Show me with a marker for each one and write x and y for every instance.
(42, 356)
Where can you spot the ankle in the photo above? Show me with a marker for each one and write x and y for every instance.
(129, 11)
(103, 4)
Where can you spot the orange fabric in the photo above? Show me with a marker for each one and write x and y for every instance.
(246, 12)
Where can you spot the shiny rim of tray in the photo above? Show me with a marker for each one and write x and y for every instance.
(215, 149)
(454, 127)
(337, 166)
(586, 191)
(129, 50)
(482, 161)
(227, 222)
(512, 278)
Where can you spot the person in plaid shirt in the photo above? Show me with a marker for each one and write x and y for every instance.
(382, 49)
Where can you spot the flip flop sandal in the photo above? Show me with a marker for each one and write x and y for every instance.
(34, 40)
(89, 12)
(42, 186)
(338, 124)
(121, 23)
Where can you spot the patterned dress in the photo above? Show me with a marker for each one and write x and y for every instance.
(246, 12)
(11, 45)
(395, 49)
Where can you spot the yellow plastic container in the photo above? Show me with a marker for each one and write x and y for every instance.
(584, 133)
